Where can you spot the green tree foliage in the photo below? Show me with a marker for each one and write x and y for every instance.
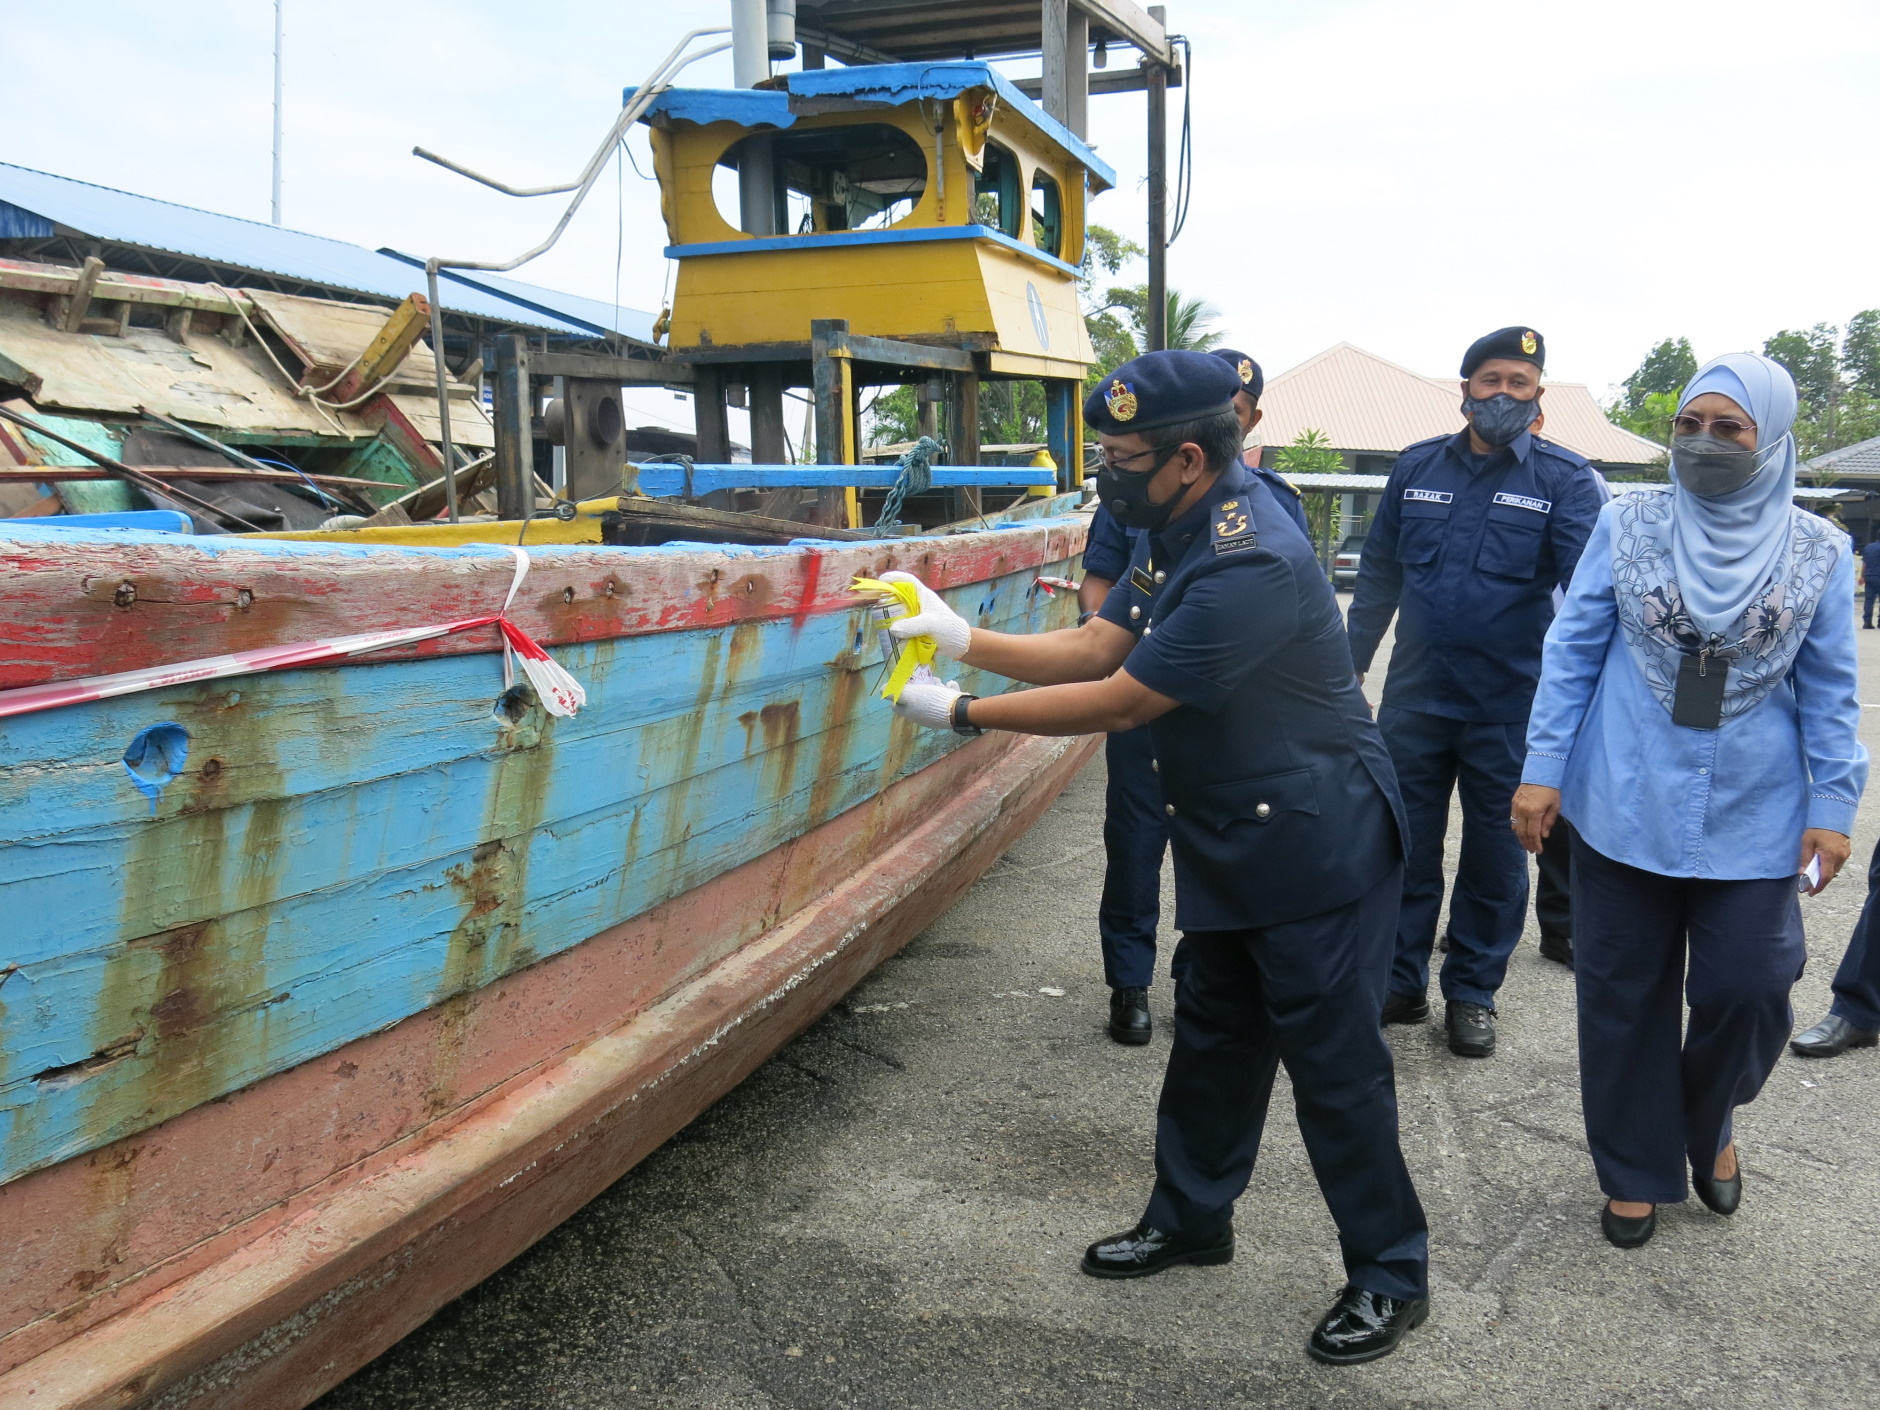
(1311, 453)
(1813, 360)
(1666, 369)
(1651, 418)
(1860, 351)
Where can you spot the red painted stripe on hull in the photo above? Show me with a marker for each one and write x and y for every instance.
(75, 611)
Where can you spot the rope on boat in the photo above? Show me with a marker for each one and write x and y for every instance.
(916, 467)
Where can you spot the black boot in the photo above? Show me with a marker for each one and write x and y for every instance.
(1129, 1016)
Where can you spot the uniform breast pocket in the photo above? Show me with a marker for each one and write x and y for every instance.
(1259, 800)
(1420, 530)
(1511, 543)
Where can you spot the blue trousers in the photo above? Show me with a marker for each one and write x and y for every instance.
(1857, 981)
(1436, 756)
(1135, 835)
(1307, 994)
(1658, 1095)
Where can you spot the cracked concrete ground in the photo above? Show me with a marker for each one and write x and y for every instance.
(889, 1214)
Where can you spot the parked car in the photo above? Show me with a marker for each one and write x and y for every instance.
(1345, 563)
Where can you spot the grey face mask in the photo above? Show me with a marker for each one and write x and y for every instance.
(1500, 418)
(1711, 467)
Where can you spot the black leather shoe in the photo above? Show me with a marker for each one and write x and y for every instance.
(1621, 1232)
(1405, 1008)
(1138, 1252)
(1363, 1326)
(1720, 1196)
(1558, 948)
(1129, 1016)
(1831, 1037)
(1471, 1029)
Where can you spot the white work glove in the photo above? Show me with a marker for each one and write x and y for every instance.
(928, 702)
(952, 637)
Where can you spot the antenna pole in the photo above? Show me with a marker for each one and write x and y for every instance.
(277, 111)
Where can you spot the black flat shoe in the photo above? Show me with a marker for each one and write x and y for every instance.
(1558, 948)
(1471, 1029)
(1831, 1037)
(1129, 1016)
(1138, 1252)
(1405, 1008)
(1621, 1232)
(1720, 1196)
(1363, 1326)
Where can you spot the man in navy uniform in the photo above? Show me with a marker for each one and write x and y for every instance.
(1223, 636)
(1135, 831)
(1853, 1019)
(1474, 532)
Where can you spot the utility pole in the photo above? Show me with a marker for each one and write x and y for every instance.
(1157, 83)
(277, 120)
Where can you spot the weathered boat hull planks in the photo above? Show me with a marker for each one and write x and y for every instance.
(398, 970)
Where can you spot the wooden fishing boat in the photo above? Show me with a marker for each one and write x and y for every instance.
(375, 971)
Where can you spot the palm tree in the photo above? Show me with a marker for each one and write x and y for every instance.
(1191, 323)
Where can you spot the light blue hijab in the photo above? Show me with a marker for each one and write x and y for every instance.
(1726, 551)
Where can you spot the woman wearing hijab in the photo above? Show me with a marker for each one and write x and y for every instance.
(1696, 722)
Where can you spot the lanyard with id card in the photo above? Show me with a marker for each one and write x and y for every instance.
(1698, 700)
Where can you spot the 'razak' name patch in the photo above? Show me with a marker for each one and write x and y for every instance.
(1428, 496)
(1521, 501)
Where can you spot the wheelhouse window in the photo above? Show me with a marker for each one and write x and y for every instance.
(864, 177)
(996, 197)
(1047, 215)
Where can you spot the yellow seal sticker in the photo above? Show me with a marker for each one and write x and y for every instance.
(1529, 343)
(1246, 371)
(1121, 400)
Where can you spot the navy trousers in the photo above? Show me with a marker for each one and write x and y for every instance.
(1658, 1096)
(1553, 901)
(1306, 994)
(1436, 756)
(1135, 835)
(1866, 609)
(1857, 981)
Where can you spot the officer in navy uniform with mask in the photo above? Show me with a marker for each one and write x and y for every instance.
(1135, 831)
(1474, 532)
(1224, 637)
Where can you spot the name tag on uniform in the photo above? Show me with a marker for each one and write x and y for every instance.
(1141, 581)
(1521, 501)
(1428, 496)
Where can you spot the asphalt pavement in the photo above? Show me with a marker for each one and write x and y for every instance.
(889, 1213)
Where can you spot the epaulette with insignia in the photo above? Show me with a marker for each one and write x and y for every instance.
(1278, 478)
(1233, 529)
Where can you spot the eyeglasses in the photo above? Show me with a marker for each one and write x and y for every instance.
(1726, 426)
(1106, 462)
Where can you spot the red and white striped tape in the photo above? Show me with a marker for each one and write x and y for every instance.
(560, 693)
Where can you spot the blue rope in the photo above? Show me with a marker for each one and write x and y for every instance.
(916, 467)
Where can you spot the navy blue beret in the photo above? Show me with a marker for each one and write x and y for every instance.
(1522, 344)
(1252, 379)
(1160, 389)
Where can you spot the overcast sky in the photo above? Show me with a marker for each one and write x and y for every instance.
(1400, 176)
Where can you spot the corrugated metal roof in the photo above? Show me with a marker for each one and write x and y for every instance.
(128, 219)
(1363, 402)
(1861, 458)
(598, 317)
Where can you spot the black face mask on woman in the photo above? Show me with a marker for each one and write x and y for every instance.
(1500, 418)
(1126, 495)
(1709, 466)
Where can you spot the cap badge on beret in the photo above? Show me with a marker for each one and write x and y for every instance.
(1121, 400)
(1529, 343)
(1246, 371)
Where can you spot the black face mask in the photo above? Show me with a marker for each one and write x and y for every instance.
(1126, 495)
(1500, 418)
(1709, 466)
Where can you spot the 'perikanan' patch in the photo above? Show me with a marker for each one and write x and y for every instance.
(1521, 501)
(1429, 496)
